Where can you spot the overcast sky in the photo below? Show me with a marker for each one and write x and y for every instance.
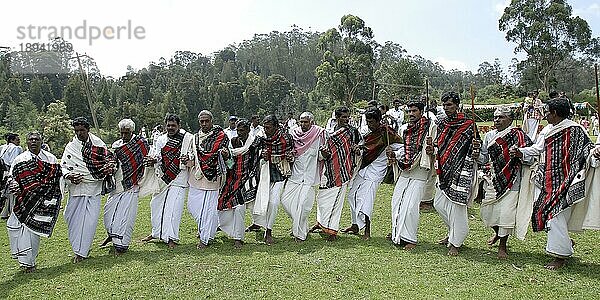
(456, 33)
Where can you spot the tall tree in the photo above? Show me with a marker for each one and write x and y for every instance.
(548, 33)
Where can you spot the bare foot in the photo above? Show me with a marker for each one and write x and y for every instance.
(573, 243)
(502, 253)
(425, 206)
(105, 242)
(556, 264)
(78, 259)
(171, 244)
(253, 228)
(119, 252)
(366, 236)
(388, 237)
(452, 251)
(351, 230)
(269, 237)
(29, 269)
(201, 246)
(443, 241)
(331, 238)
(237, 244)
(409, 247)
(315, 228)
(148, 238)
(493, 240)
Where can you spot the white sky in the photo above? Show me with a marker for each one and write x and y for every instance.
(457, 33)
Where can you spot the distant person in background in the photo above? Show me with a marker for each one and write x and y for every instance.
(156, 132)
(397, 112)
(231, 131)
(256, 129)
(331, 123)
(595, 125)
(532, 114)
(8, 153)
(291, 123)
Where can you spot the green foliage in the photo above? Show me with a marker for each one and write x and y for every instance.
(55, 126)
(548, 33)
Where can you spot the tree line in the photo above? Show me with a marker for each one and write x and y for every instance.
(290, 72)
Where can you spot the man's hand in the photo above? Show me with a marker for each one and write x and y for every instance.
(289, 156)
(596, 152)
(429, 147)
(514, 152)
(74, 178)
(265, 155)
(14, 188)
(476, 148)
(149, 161)
(224, 153)
(390, 152)
(325, 153)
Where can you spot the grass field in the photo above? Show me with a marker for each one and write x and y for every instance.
(348, 268)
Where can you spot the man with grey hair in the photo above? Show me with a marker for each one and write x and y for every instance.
(299, 192)
(35, 180)
(121, 206)
(506, 207)
(208, 170)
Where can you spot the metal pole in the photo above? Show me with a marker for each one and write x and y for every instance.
(597, 86)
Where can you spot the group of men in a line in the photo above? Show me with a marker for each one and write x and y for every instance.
(223, 172)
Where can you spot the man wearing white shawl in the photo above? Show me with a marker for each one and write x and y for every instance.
(505, 181)
(86, 163)
(35, 179)
(169, 155)
(121, 206)
(417, 169)
(8, 153)
(299, 192)
(564, 199)
(209, 151)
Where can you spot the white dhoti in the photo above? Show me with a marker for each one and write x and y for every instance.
(24, 244)
(531, 128)
(559, 243)
(231, 221)
(407, 196)
(502, 212)
(454, 216)
(166, 208)
(329, 208)
(361, 198)
(8, 206)
(429, 189)
(81, 215)
(202, 205)
(297, 201)
(120, 211)
(268, 220)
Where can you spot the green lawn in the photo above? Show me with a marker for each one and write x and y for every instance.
(349, 268)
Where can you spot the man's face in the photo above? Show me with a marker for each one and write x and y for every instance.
(501, 121)
(34, 143)
(343, 119)
(232, 123)
(126, 134)
(81, 132)
(254, 122)
(450, 108)
(397, 104)
(373, 124)
(172, 128)
(269, 129)
(414, 114)
(16, 141)
(206, 123)
(305, 124)
(243, 132)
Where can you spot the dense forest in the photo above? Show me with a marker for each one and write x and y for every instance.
(276, 72)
